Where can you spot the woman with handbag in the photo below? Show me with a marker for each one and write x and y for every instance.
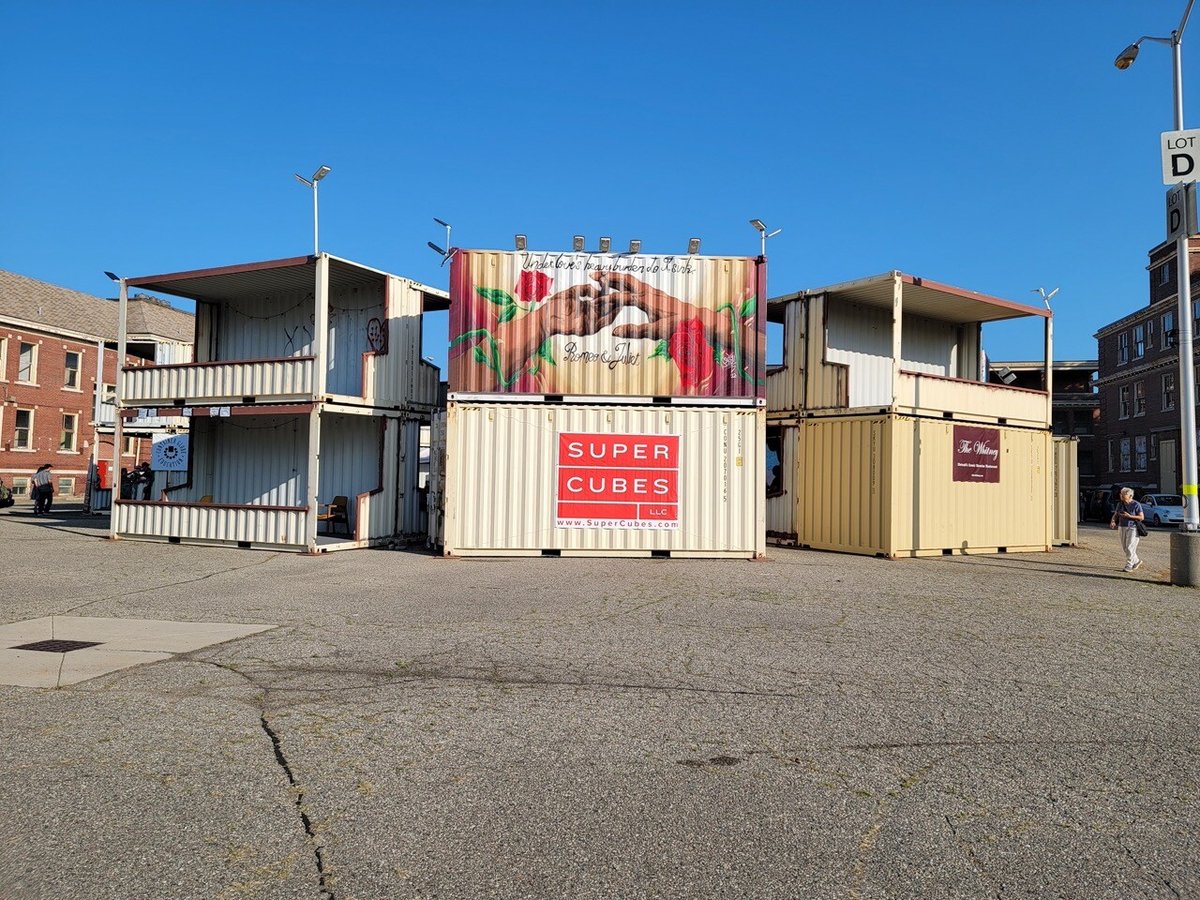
(1128, 519)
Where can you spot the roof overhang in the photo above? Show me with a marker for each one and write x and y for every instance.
(920, 297)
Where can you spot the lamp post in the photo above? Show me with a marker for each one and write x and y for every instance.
(1185, 545)
(763, 234)
(317, 176)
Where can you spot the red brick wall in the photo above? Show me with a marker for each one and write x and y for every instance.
(50, 399)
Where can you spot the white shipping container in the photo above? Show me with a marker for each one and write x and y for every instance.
(528, 479)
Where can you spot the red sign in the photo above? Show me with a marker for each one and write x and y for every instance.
(976, 454)
(618, 481)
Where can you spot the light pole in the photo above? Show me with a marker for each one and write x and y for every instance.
(1185, 552)
(763, 234)
(317, 176)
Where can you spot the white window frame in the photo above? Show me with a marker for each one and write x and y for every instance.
(69, 490)
(1125, 455)
(1123, 401)
(1164, 273)
(33, 363)
(1139, 398)
(1167, 328)
(1139, 453)
(1168, 391)
(3, 359)
(74, 433)
(27, 447)
(1139, 341)
(78, 370)
(20, 486)
(127, 446)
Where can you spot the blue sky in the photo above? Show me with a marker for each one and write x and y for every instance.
(990, 145)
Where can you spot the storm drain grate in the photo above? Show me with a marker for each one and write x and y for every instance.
(57, 646)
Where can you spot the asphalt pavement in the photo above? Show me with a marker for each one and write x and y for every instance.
(815, 725)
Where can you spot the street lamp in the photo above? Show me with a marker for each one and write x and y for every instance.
(1188, 571)
(317, 176)
(763, 234)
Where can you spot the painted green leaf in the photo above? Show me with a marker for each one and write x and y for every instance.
(661, 349)
(749, 307)
(496, 295)
(480, 356)
(467, 335)
(507, 313)
(543, 352)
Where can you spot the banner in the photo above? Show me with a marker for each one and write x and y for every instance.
(976, 454)
(617, 481)
(169, 453)
(607, 324)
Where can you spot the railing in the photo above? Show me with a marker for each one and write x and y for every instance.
(935, 394)
(284, 525)
(291, 378)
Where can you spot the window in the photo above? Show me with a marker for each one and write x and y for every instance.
(1168, 390)
(1112, 456)
(775, 462)
(126, 445)
(1164, 273)
(3, 359)
(20, 487)
(1124, 454)
(1149, 335)
(1168, 330)
(23, 430)
(1123, 410)
(67, 440)
(27, 363)
(66, 486)
(1139, 341)
(71, 375)
(1122, 348)
(1139, 399)
(1154, 446)
(1139, 453)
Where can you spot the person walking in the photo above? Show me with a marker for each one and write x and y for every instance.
(1127, 520)
(42, 489)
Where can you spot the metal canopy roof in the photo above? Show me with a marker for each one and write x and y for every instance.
(250, 280)
(921, 297)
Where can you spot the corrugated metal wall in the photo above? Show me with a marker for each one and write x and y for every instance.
(268, 327)
(502, 482)
(784, 387)
(842, 484)
(932, 513)
(249, 460)
(1066, 491)
(230, 382)
(351, 460)
(436, 481)
(212, 523)
(411, 517)
(350, 312)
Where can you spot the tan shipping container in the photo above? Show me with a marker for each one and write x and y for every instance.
(532, 479)
(1066, 491)
(892, 486)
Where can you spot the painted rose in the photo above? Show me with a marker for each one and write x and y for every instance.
(689, 348)
(533, 286)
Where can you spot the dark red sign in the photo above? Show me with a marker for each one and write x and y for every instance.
(976, 454)
(618, 481)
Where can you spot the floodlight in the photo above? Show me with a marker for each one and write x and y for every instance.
(635, 246)
(577, 243)
(605, 244)
(112, 277)
(1128, 55)
(522, 242)
(694, 245)
(321, 173)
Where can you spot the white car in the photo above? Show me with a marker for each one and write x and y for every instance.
(1163, 509)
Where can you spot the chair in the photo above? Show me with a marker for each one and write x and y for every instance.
(335, 512)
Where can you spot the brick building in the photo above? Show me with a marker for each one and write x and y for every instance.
(1138, 439)
(57, 376)
(1075, 406)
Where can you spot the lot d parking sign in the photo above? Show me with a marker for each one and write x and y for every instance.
(628, 481)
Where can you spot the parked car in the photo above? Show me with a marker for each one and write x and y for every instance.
(6, 497)
(1163, 509)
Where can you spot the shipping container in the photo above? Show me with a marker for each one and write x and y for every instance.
(575, 479)
(605, 325)
(894, 486)
(303, 437)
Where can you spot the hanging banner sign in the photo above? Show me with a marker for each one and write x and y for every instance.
(976, 454)
(169, 453)
(628, 481)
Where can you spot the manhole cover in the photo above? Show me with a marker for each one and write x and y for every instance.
(57, 646)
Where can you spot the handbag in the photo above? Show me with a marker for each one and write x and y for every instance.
(1142, 530)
